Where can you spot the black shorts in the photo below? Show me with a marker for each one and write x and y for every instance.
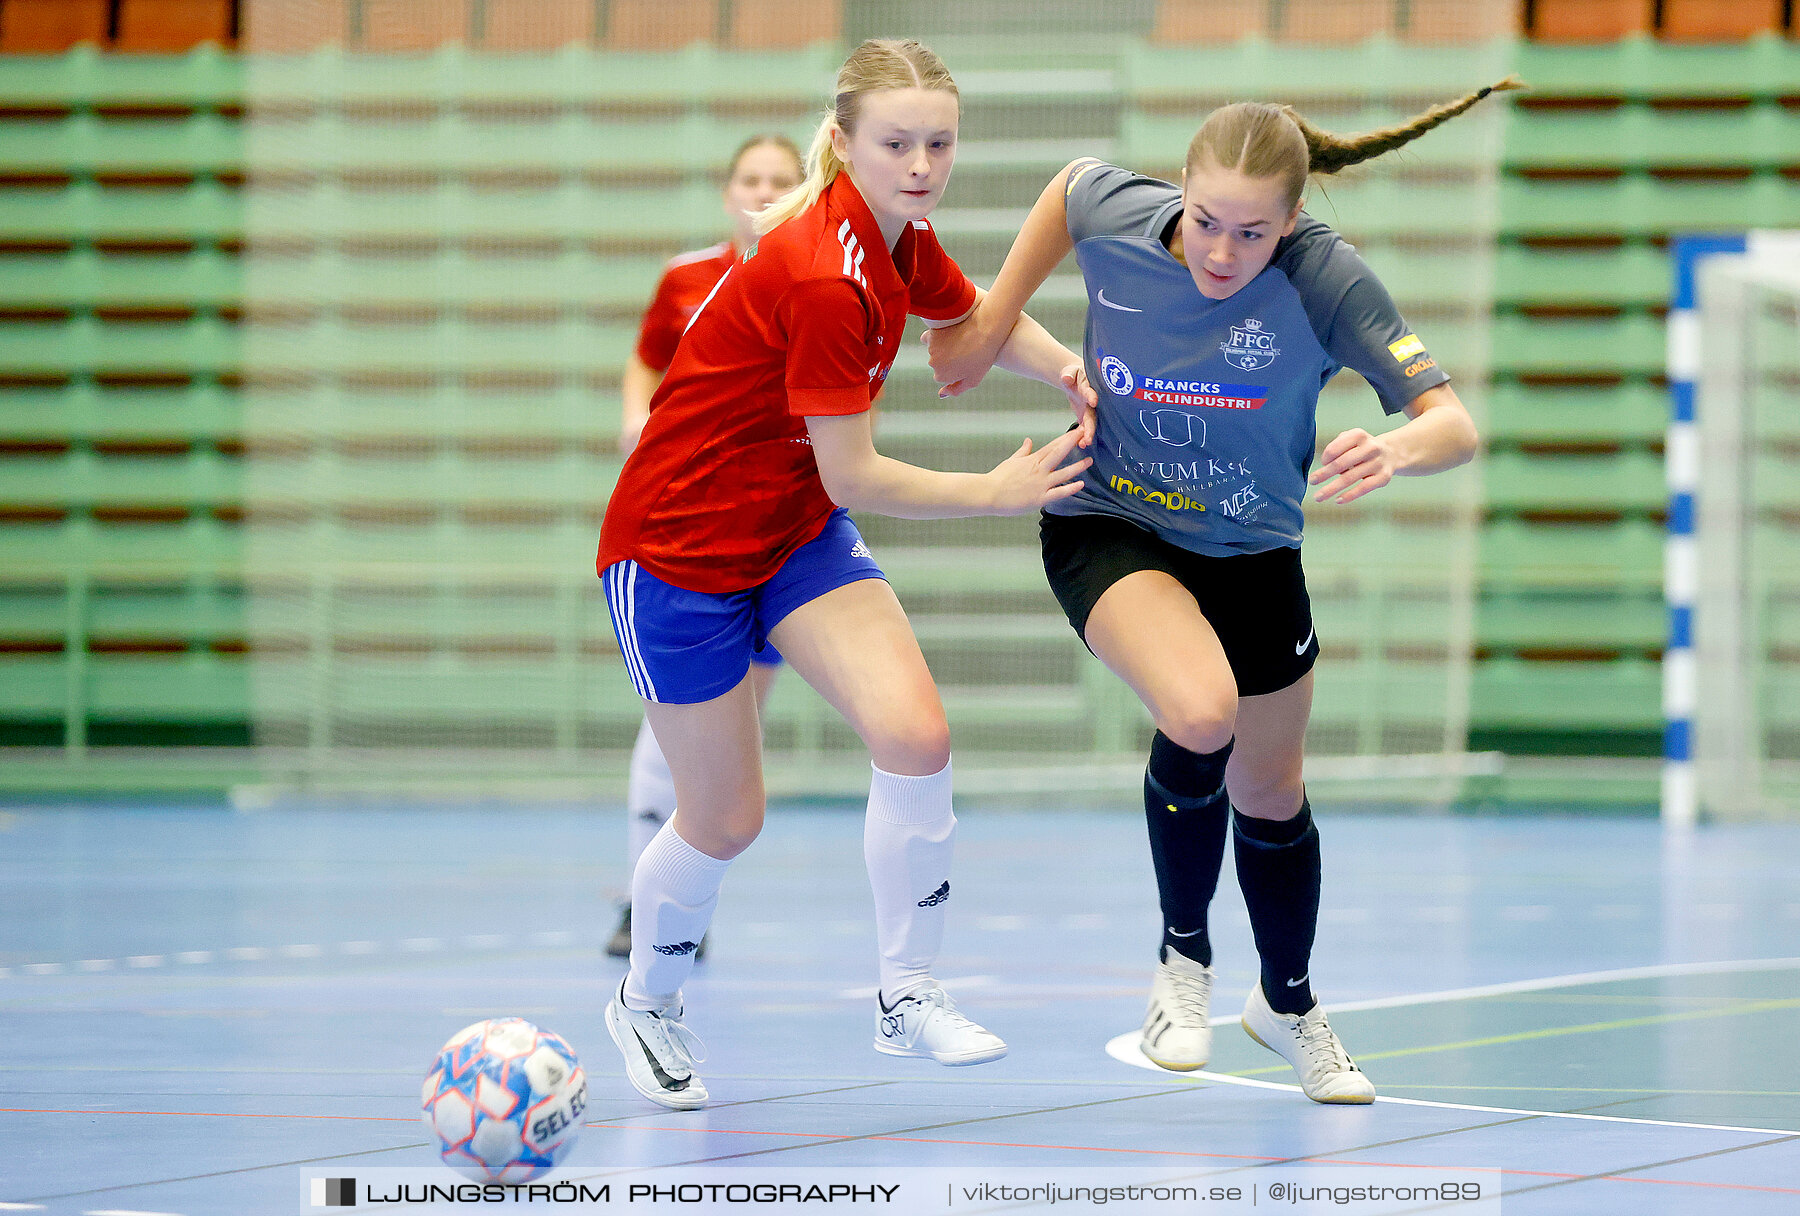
(1255, 602)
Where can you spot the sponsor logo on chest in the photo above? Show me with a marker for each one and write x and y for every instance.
(1158, 390)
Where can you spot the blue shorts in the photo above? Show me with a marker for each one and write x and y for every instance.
(682, 647)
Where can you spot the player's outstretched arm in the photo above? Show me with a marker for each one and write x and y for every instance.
(862, 479)
(1438, 435)
(962, 354)
(1033, 353)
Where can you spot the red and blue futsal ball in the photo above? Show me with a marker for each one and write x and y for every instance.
(504, 1100)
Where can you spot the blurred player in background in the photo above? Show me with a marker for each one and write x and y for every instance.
(764, 168)
(1217, 310)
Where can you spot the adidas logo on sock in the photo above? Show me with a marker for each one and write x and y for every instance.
(677, 948)
(941, 895)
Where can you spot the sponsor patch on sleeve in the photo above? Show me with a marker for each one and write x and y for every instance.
(1090, 163)
(1406, 348)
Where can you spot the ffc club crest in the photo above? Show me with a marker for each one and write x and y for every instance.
(1251, 348)
(1118, 377)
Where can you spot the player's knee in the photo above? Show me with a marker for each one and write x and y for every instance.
(916, 747)
(1268, 795)
(1201, 723)
(737, 831)
(729, 826)
(1264, 790)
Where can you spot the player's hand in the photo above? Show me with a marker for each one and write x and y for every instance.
(1354, 463)
(962, 354)
(1082, 399)
(1028, 481)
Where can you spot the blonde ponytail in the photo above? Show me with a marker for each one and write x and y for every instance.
(1261, 139)
(878, 64)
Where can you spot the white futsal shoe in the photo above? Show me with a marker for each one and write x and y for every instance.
(1177, 1034)
(927, 1024)
(1306, 1040)
(659, 1053)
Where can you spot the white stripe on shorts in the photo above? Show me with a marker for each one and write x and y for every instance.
(621, 584)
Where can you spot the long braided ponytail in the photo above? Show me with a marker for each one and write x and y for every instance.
(1263, 139)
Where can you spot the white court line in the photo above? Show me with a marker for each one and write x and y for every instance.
(1656, 971)
(297, 950)
(1125, 1047)
(21, 1207)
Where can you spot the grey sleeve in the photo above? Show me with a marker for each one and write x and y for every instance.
(1105, 200)
(1356, 319)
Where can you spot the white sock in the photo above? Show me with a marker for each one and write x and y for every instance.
(908, 838)
(673, 893)
(649, 795)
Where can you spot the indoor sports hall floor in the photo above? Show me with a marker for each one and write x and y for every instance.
(197, 1001)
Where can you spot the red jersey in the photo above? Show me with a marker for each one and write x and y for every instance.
(723, 487)
(685, 282)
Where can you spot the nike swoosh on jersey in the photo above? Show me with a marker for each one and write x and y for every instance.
(1122, 308)
(1304, 643)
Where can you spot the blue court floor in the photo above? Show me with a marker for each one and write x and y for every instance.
(198, 1002)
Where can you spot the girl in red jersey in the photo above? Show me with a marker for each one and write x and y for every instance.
(764, 168)
(729, 529)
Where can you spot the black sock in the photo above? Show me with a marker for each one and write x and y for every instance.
(1278, 869)
(1185, 807)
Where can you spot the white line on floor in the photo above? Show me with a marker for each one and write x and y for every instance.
(1124, 1048)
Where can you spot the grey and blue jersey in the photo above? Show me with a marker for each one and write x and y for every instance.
(1207, 408)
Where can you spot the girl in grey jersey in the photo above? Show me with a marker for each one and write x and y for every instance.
(1217, 310)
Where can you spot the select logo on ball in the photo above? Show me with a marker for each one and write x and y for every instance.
(504, 1100)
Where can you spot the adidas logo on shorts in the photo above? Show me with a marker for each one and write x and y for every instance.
(939, 896)
(677, 948)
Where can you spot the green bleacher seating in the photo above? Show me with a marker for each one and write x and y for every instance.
(471, 204)
(1624, 695)
(1550, 622)
(1638, 207)
(1640, 69)
(83, 214)
(1623, 556)
(1161, 78)
(206, 78)
(1625, 275)
(84, 346)
(1631, 344)
(1632, 413)
(85, 280)
(1761, 135)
